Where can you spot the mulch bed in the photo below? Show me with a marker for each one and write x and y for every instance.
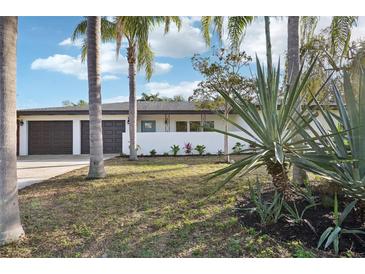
(320, 218)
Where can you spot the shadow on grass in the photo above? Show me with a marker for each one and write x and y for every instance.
(125, 213)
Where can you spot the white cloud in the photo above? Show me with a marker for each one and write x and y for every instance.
(169, 90)
(178, 44)
(110, 77)
(116, 99)
(62, 63)
(69, 42)
(161, 68)
(255, 40)
(110, 65)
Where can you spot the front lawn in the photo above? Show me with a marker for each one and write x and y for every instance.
(155, 207)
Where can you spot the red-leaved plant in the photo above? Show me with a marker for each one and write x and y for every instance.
(188, 147)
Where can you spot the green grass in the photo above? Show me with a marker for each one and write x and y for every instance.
(156, 207)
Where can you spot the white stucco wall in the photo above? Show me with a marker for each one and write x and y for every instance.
(161, 141)
(76, 128)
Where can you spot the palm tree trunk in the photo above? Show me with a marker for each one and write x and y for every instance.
(268, 47)
(299, 175)
(280, 179)
(132, 103)
(226, 152)
(96, 168)
(10, 227)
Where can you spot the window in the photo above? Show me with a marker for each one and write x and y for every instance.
(148, 126)
(195, 126)
(181, 126)
(207, 125)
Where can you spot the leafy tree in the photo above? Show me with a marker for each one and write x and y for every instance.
(10, 227)
(332, 46)
(155, 97)
(176, 98)
(222, 72)
(68, 103)
(150, 97)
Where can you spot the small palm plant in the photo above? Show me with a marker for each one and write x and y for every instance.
(271, 132)
(200, 149)
(175, 149)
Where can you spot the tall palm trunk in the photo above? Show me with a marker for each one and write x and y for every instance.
(132, 103)
(268, 46)
(10, 227)
(299, 174)
(96, 169)
(226, 114)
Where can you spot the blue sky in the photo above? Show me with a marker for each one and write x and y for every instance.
(50, 70)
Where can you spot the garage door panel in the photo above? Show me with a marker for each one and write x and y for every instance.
(50, 137)
(112, 136)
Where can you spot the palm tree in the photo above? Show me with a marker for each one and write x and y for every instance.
(268, 47)
(135, 29)
(96, 167)
(293, 59)
(236, 30)
(10, 227)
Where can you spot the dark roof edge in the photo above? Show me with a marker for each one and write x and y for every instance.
(112, 112)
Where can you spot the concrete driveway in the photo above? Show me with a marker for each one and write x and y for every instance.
(37, 168)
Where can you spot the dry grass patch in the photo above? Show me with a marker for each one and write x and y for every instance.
(151, 208)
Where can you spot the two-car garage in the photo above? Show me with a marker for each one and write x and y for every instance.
(56, 137)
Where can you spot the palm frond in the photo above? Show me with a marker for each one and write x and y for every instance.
(236, 29)
(206, 22)
(340, 31)
(145, 59)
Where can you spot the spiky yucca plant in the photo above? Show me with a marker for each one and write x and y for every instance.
(270, 126)
(337, 152)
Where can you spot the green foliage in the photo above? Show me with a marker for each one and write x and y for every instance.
(68, 103)
(236, 28)
(336, 154)
(305, 192)
(271, 132)
(153, 152)
(332, 235)
(221, 72)
(155, 97)
(135, 29)
(268, 211)
(175, 149)
(238, 148)
(294, 216)
(300, 252)
(200, 149)
(82, 230)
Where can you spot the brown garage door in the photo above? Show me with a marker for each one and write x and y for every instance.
(112, 136)
(50, 137)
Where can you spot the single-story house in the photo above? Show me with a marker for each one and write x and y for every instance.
(65, 130)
